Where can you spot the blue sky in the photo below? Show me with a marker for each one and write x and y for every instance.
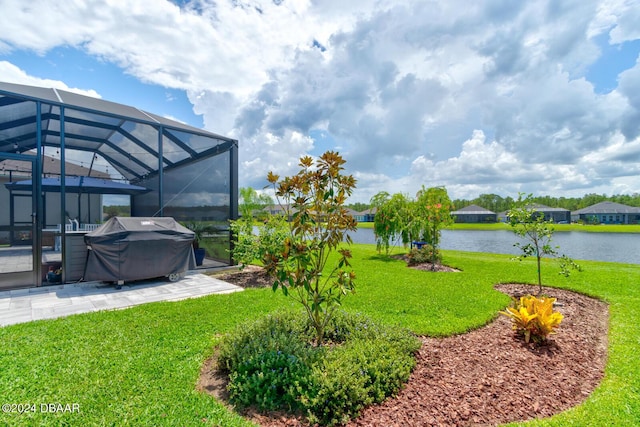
(78, 69)
(499, 97)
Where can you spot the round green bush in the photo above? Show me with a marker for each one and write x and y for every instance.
(427, 253)
(273, 364)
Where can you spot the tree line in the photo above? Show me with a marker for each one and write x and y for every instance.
(497, 203)
(251, 202)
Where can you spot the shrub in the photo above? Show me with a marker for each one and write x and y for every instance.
(264, 246)
(268, 361)
(362, 372)
(272, 364)
(534, 317)
(427, 253)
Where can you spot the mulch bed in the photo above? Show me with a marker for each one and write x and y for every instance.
(487, 376)
(250, 276)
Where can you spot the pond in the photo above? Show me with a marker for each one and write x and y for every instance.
(613, 247)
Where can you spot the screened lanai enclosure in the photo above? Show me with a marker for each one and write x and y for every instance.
(63, 155)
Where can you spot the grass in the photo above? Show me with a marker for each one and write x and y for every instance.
(139, 366)
(599, 228)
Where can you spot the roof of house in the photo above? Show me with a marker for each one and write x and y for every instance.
(544, 208)
(607, 208)
(371, 211)
(473, 210)
(277, 208)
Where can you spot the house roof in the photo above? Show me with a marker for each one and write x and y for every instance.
(607, 208)
(544, 208)
(277, 208)
(473, 210)
(126, 137)
(371, 211)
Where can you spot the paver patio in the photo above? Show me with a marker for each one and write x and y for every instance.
(48, 302)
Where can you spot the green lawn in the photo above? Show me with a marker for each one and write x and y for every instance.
(139, 366)
(601, 228)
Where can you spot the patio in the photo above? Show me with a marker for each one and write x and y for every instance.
(49, 302)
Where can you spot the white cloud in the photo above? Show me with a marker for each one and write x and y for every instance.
(624, 17)
(12, 74)
(480, 97)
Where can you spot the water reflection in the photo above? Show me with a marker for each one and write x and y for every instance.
(613, 247)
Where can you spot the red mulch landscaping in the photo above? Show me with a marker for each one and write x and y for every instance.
(485, 377)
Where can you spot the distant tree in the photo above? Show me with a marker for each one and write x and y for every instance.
(111, 211)
(359, 207)
(251, 201)
(591, 199)
(497, 204)
(493, 202)
(528, 224)
(461, 203)
(117, 210)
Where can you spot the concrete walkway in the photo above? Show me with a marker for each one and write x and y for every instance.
(48, 302)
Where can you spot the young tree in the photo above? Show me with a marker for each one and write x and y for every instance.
(410, 220)
(319, 225)
(438, 210)
(531, 226)
(251, 201)
(434, 207)
(390, 220)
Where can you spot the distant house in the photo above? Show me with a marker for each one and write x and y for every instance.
(552, 214)
(367, 215)
(284, 210)
(474, 214)
(559, 215)
(355, 214)
(608, 213)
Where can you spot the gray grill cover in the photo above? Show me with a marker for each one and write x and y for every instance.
(136, 248)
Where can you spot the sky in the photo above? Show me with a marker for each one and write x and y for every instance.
(495, 96)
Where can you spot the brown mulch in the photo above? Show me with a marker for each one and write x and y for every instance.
(487, 376)
(250, 276)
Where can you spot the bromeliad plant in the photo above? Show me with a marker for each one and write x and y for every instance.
(534, 317)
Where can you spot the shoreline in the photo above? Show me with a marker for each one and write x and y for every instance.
(600, 228)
